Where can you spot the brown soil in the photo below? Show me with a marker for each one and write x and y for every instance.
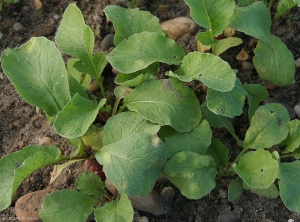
(21, 125)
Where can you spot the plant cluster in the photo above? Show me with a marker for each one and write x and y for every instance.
(156, 126)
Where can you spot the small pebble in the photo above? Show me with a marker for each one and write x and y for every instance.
(246, 65)
(21, 144)
(51, 21)
(107, 42)
(16, 123)
(93, 87)
(297, 110)
(291, 220)
(44, 31)
(270, 86)
(19, 27)
(242, 56)
(222, 194)
(168, 193)
(142, 219)
(44, 141)
(297, 63)
(26, 8)
(56, 17)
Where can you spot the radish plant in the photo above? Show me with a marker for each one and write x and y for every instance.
(156, 126)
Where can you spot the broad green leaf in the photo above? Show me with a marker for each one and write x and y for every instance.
(292, 142)
(77, 39)
(131, 21)
(289, 188)
(283, 7)
(243, 3)
(216, 120)
(197, 140)
(166, 102)
(93, 137)
(126, 124)
(15, 167)
(206, 38)
(274, 62)
(76, 117)
(193, 174)
(66, 205)
(90, 184)
(235, 189)
(207, 68)
(133, 80)
(222, 45)
(269, 126)
(42, 81)
(219, 152)
(254, 20)
(270, 192)
(137, 78)
(75, 87)
(144, 49)
(255, 93)
(228, 104)
(212, 14)
(119, 210)
(135, 168)
(257, 168)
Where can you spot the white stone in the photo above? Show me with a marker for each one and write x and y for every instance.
(297, 110)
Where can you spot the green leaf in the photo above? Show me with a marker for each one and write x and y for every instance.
(77, 39)
(206, 38)
(212, 14)
(166, 102)
(257, 168)
(133, 80)
(90, 184)
(15, 167)
(42, 81)
(254, 20)
(228, 104)
(78, 146)
(210, 69)
(222, 45)
(216, 120)
(82, 79)
(289, 188)
(117, 210)
(144, 49)
(243, 3)
(283, 7)
(256, 94)
(125, 125)
(219, 152)
(270, 192)
(75, 87)
(69, 205)
(269, 126)
(135, 168)
(292, 142)
(197, 140)
(76, 117)
(274, 62)
(93, 137)
(193, 174)
(131, 21)
(235, 189)
(137, 78)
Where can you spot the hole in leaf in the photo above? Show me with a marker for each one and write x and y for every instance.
(262, 170)
(271, 111)
(222, 110)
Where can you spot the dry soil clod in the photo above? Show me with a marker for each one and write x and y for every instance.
(178, 26)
